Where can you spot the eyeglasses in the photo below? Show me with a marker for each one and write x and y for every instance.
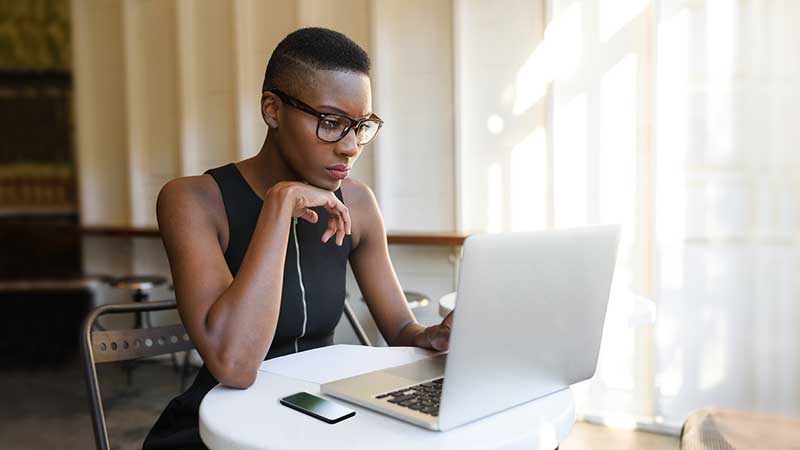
(333, 127)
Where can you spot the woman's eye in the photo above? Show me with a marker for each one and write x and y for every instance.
(330, 124)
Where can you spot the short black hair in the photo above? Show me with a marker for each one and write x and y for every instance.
(309, 49)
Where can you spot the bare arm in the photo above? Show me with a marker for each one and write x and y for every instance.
(378, 282)
(231, 320)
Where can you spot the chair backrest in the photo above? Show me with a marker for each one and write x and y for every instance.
(122, 345)
(357, 328)
(107, 346)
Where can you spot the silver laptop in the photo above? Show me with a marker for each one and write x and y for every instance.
(528, 322)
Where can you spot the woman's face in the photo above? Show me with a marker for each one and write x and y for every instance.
(308, 156)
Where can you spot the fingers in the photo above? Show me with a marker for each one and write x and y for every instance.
(448, 320)
(338, 220)
(344, 214)
(338, 214)
(340, 232)
(438, 337)
(441, 339)
(310, 215)
(336, 226)
(344, 217)
(330, 230)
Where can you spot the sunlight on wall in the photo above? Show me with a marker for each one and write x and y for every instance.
(495, 124)
(617, 161)
(500, 80)
(528, 183)
(563, 36)
(617, 184)
(495, 196)
(600, 152)
(559, 55)
(570, 168)
(532, 80)
(614, 14)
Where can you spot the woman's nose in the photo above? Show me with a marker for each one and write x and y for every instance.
(347, 146)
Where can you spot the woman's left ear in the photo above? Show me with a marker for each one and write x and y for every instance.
(269, 109)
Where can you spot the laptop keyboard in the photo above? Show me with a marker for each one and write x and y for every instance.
(423, 397)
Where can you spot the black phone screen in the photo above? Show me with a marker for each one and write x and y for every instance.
(317, 407)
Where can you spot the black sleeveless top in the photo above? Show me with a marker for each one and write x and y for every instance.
(322, 268)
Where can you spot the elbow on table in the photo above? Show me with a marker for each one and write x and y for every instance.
(233, 375)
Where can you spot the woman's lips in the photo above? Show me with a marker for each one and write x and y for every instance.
(338, 174)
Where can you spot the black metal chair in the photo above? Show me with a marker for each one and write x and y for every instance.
(415, 300)
(107, 346)
(357, 328)
(140, 286)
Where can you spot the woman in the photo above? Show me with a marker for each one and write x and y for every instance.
(258, 249)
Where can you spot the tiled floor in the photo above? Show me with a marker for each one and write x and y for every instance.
(48, 409)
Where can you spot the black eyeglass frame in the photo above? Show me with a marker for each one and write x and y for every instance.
(354, 124)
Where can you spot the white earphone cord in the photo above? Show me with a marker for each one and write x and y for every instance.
(302, 287)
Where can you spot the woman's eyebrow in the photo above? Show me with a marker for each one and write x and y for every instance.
(342, 112)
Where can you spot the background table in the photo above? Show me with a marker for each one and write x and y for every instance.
(639, 310)
(252, 418)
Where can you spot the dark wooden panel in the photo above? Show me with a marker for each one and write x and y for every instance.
(41, 328)
(443, 239)
(40, 247)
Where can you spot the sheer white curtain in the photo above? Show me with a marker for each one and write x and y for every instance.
(727, 201)
(553, 131)
(678, 119)
(601, 146)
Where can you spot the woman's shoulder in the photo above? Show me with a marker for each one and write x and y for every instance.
(356, 193)
(199, 189)
(365, 214)
(190, 198)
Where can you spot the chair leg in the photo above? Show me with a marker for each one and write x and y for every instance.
(174, 358)
(357, 328)
(185, 370)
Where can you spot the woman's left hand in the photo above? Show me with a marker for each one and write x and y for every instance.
(438, 336)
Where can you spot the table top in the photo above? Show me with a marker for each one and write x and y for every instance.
(253, 419)
(447, 304)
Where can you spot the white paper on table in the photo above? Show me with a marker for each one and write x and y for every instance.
(325, 364)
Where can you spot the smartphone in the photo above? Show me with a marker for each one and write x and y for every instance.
(318, 407)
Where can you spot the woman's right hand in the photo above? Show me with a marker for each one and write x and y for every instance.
(302, 197)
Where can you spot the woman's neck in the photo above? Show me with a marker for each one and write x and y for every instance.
(266, 168)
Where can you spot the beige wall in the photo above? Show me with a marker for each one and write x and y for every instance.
(171, 88)
(101, 143)
(414, 90)
(501, 114)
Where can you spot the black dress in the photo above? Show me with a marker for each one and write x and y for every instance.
(322, 268)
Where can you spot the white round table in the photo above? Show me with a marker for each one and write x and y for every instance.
(235, 419)
(447, 304)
